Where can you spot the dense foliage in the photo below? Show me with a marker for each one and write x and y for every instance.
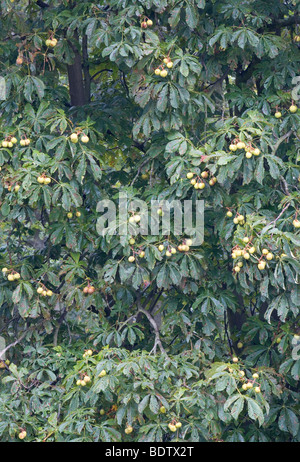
(164, 100)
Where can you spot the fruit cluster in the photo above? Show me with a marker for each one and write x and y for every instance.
(170, 250)
(77, 213)
(160, 70)
(246, 253)
(134, 218)
(83, 380)
(238, 219)
(249, 149)
(173, 426)
(199, 182)
(42, 290)
(51, 42)
(87, 353)
(146, 22)
(44, 179)
(24, 141)
(12, 276)
(75, 138)
(185, 246)
(9, 142)
(89, 289)
(293, 108)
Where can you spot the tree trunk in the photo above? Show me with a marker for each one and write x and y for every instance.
(79, 95)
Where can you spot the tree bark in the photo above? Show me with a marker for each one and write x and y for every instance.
(75, 74)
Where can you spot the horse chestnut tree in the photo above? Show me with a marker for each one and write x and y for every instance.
(149, 337)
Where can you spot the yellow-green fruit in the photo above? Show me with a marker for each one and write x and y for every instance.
(235, 359)
(246, 256)
(142, 254)
(229, 214)
(78, 214)
(293, 108)
(164, 73)
(78, 383)
(173, 250)
(4, 270)
(87, 379)
(49, 293)
(257, 389)
(244, 386)
(237, 269)
(70, 215)
(74, 137)
(82, 383)
(168, 254)
(256, 151)
(10, 277)
(131, 259)
(85, 139)
(172, 427)
(265, 251)
(269, 256)
(170, 64)
(102, 373)
(235, 221)
(157, 71)
(178, 425)
(233, 147)
(161, 247)
(248, 154)
(17, 187)
(252, 250)
(261, 265)
(131, 241)
(102, 412)
(278, 114)
(240, 145)
(255, 375)
(162, 409)
(128, 430)
(296, 223)
(240, 345)
(189, 175)
(40, 179)
(22, 435)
